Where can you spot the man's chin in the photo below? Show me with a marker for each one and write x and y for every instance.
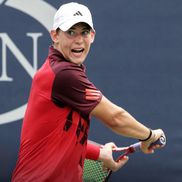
(77, 61)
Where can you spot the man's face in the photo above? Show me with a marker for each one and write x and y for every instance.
(74, 43)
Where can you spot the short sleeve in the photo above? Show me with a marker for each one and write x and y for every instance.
(72, 87)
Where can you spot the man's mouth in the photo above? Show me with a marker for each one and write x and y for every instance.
(77, 50)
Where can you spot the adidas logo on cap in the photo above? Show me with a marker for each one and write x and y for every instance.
(78, 13)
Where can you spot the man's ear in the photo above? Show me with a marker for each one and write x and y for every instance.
(92, 36)
(54, 36)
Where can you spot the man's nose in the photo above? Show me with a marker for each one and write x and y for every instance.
(79, 38)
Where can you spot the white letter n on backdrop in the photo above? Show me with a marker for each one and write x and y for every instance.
(8, 43)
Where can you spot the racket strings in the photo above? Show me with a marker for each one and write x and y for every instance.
(93, 171)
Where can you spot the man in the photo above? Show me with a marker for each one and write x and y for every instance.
(62, 100)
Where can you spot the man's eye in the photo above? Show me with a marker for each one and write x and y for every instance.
(70, 33)
(85, 33)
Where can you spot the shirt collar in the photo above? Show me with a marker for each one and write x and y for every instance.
(58, 56)
(55, 54)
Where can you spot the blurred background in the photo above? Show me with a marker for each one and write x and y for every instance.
(136, 61)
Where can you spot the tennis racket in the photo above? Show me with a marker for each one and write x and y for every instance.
(93, 171)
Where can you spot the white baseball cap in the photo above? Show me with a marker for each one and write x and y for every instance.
(70, 14)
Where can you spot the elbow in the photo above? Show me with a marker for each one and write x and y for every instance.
(116, 120)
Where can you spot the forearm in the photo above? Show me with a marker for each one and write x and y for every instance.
(123, 123)
(119, 120)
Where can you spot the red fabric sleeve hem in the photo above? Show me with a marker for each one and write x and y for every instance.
(93, 151)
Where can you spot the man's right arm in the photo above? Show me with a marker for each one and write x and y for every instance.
(121, 122)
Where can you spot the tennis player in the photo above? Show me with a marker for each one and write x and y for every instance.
(54, 138)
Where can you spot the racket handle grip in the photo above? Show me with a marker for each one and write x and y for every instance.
(161, 141)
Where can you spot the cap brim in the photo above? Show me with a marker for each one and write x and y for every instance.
(66, 26)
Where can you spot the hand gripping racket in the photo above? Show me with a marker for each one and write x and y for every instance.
(93, 171)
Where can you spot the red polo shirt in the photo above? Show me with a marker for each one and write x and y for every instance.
(56, 123)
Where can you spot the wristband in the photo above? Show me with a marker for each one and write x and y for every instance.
(93, 151)
(150, 134)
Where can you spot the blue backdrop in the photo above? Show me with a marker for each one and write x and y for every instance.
(136, 61)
